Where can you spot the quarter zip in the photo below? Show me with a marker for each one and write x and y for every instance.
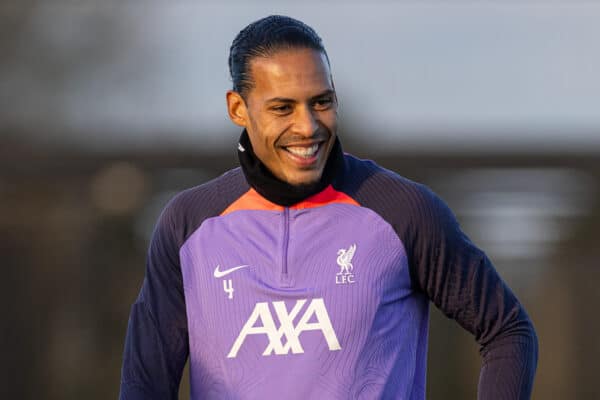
(285, 277)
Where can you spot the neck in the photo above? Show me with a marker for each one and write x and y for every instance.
(274, 189)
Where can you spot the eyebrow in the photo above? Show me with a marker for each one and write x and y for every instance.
(328, 92)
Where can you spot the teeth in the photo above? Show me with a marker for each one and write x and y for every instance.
(304, 151)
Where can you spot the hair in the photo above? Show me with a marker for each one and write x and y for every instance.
(263, 38)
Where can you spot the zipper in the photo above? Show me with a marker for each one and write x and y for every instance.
(285, 278)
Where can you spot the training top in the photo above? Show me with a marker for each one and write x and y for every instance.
(319, 292)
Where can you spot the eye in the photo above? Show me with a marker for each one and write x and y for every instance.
(323, 104)
(282, 109)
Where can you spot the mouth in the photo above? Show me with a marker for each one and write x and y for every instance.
(304, 155)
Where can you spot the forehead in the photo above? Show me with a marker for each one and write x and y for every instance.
(290, 73)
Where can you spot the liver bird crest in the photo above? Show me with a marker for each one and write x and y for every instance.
(344, 259)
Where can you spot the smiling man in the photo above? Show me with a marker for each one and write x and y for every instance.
(290, 113)
(307, 273)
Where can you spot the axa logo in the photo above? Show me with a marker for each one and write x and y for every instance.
(286, 337)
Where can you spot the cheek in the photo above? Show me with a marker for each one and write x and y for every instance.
(263, 138)
(330, 120)
(269, 130)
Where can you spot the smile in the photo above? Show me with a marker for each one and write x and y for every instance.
(304, 156)
(303, 151)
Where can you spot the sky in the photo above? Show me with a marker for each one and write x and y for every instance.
(426, 74)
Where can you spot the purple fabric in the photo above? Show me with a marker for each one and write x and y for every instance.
(367, 340)
(379, 321)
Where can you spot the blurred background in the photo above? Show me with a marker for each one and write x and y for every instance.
(107, 109)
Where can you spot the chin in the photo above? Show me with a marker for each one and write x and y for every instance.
(305, 180)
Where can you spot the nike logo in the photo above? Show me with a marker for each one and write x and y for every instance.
(219, 274)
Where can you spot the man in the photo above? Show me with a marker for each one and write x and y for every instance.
(306, 273)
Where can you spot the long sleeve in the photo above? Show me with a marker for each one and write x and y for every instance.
(455, 275)
(462, 282)
(156, 345)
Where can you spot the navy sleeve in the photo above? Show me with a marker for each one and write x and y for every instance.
(156, 345)
(455, 275)
(462, 282)
(157, 342)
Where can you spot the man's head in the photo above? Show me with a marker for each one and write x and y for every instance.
(283, 95)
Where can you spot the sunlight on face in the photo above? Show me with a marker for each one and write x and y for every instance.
(292, 113)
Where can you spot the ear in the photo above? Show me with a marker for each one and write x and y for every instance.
(236, 107)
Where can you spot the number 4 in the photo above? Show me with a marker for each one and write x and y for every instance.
(228, 287)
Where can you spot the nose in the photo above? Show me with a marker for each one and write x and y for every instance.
(305, 122)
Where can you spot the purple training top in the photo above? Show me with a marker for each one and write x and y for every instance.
(324, 299)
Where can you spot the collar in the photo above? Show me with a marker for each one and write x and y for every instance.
(274, 189)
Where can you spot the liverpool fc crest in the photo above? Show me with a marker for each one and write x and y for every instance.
(344, 260)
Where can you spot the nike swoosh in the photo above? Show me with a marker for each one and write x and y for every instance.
(220, 274)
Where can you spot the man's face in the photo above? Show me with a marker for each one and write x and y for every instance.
(290, 113)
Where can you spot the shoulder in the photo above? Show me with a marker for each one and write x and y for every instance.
(413, 210)
(427, 228)
(186, 211)
(386, 191)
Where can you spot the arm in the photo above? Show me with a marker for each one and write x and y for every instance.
(156, 346)
(462, 282)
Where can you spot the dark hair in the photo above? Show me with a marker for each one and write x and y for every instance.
(264, 37)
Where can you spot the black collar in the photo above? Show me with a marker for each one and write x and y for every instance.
(277, 191)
